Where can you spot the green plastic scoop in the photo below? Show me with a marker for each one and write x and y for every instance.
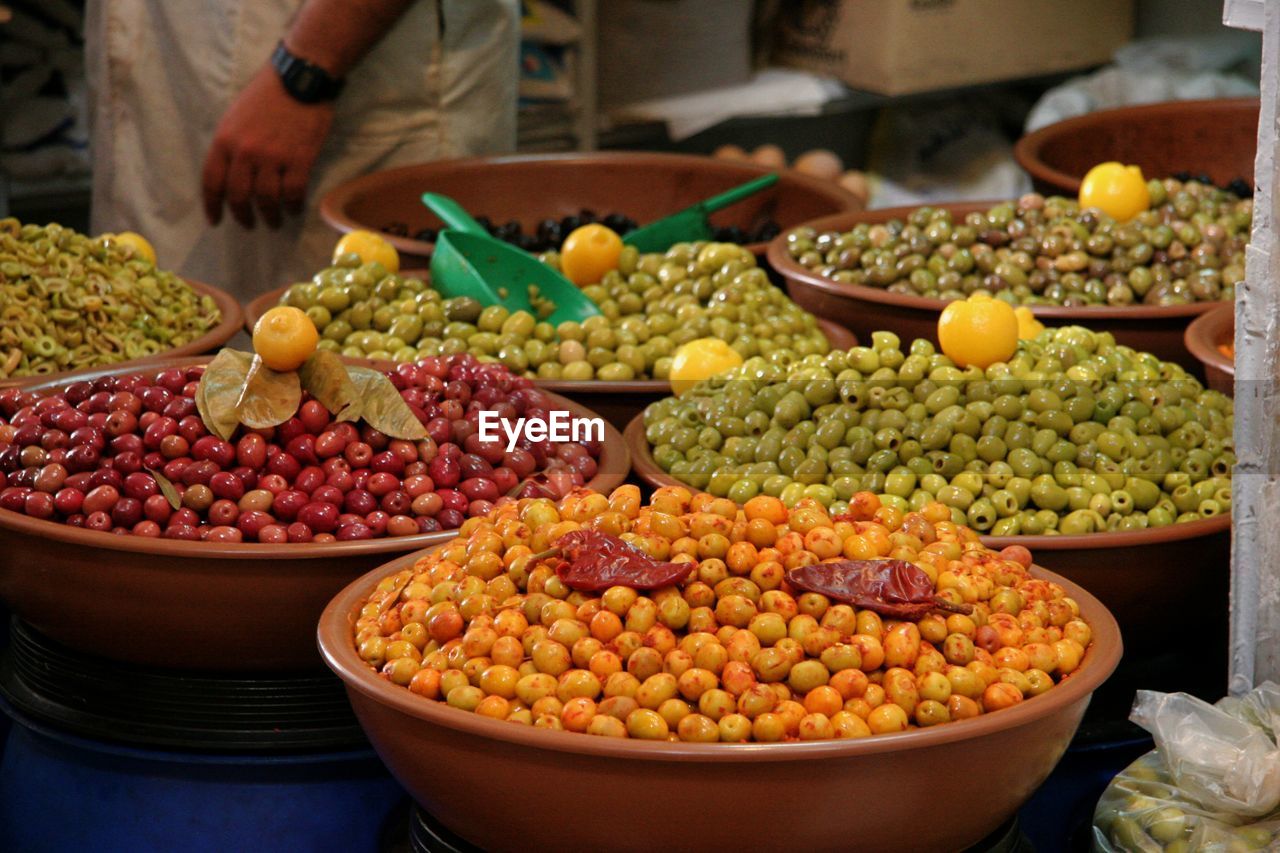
(467, 261)
(690, 225)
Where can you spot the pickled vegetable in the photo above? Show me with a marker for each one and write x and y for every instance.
(1074, 434)
(1188, 247)
(731, 651)
(68, 301)
(650, 306)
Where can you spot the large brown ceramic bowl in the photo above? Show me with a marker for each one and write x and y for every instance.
(1142, 576)
(863, 309)
(1215, 137)
(643, 185)
(1203, 337)
(232, 319)
(577, 792)
(616, 402)
(198, 605)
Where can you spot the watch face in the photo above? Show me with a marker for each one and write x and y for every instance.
(305, 82)
(305, 79)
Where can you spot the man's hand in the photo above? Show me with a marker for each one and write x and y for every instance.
(263, 152)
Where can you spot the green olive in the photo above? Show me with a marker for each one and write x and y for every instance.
(649, 306)
(1002, 448)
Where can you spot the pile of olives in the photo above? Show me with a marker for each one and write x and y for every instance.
(730, 654)
(1143, 809)
(68, 301)
(649, 306)
(1074, 434)
(1188, 247)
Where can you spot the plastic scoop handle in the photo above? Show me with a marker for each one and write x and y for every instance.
(452, 214)
(736, 194)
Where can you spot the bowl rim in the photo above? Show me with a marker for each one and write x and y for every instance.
(615, 463)
(838, 336)
(1026, 151)
(780, 259)
(1202, 335)
(646, 468)
(232, 319)
(337, 648)
(333, 204)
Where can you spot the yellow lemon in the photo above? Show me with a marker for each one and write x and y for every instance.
(699, 360)
(370, 247)
(284, 338)
(978, 332)
(141, 247)
(588, 253)
(1028, 326)
(1117, 190)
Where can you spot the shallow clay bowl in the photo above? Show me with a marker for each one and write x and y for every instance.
(591, 793)
(1148, 328)
(616, 402)
(1142, 576)
(1203, 337)
(1216, 137)
(210, 341)
(530, 188)
(198, 605)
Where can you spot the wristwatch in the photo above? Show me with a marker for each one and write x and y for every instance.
(306, 83)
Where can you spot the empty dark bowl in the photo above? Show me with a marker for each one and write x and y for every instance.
(1218, 138)
(198, 605)
(861, 309)
(942, 788)
(645, 186)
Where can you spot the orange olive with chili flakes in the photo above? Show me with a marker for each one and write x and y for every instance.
(733, 652)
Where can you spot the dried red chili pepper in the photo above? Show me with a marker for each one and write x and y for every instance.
(893, 588)
(596, 561)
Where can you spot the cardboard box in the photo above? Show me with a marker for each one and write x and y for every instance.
(896, 47)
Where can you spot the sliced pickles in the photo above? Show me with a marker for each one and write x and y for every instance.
(68, 301)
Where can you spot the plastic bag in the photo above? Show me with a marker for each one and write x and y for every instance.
(1212, 783)
(1218, 760)
(1158, 69)
(932, 152)
(1142, 810)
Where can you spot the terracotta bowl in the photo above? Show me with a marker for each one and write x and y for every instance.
(1142, 576)
(616, 402)
(199, 605)
(643, 185)
(576, 789)
(1215, 137)
(1203, 337)
(232, 320)
(863, 309)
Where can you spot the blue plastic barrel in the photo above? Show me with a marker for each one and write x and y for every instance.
(4, 646)
(61, 792)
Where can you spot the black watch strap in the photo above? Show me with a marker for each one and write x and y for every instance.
(307, 83)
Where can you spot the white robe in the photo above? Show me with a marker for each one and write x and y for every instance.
(162, 72)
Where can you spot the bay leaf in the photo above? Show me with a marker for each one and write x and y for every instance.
(269, 398)
(382, 407)
(325, 377)
(167, 488)
(218, 395)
